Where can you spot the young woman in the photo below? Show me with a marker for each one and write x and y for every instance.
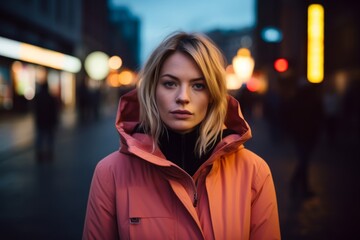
(182, 171)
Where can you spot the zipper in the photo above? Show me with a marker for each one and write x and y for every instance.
(183, 152)
(195, 198)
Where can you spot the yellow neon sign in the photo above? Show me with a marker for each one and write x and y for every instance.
(315, 51)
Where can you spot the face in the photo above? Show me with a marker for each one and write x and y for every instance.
(181, 93)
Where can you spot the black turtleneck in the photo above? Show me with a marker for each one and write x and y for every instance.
(180, 148)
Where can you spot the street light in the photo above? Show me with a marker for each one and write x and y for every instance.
(243, 65)
(115, 62)
(232, 81)
(281, 65)
(97, 65)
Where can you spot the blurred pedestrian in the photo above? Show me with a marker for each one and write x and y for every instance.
(272, 111)
(182, 171)
(332, 112)
(306, 122)
(46, 120)
(351, 107)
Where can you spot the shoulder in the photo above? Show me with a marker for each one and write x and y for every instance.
(110, 173)
(247, 158)
(114, 161)
(253, 159)
(261, 171)
(251, 164)
(120, 166)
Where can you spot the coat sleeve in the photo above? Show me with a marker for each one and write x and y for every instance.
(100, 219)
(264, 209)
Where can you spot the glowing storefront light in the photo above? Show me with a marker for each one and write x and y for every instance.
(6, 91)
(24, 79)
(67, 88)
(54, 82)
(258, 83)
(315, 57)
(113, 79)
(126, 77)
(33, 54)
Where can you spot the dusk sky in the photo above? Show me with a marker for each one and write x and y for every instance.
(161, 17)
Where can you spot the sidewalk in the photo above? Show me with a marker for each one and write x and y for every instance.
(47, 200)
(17, 131)
(333, 212)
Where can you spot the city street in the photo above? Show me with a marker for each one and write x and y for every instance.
(48, 200)
(293, 66)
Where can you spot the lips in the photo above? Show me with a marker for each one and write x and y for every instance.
(181, 114)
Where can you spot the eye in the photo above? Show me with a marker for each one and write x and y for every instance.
(199, 86)
(169, 84)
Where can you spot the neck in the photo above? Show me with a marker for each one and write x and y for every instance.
(180, 149)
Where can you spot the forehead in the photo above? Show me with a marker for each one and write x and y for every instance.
(178, 61)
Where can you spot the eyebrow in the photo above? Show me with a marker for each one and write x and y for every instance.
(176, 78)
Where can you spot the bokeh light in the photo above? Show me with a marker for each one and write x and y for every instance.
(97, 65)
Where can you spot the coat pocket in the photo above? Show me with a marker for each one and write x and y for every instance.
(150, 215)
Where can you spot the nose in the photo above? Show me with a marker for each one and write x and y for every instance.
(183, 96)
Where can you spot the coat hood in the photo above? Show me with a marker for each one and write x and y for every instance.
(141, 144)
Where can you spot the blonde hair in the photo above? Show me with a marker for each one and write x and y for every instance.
(212, 64)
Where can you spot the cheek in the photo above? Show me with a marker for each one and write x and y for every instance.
(161, 102)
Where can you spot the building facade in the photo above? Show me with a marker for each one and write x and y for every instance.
(125, 36)
(30, 30)
(40, 33)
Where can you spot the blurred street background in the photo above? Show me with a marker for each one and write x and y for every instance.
(293, 65)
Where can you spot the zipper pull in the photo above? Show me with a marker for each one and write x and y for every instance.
(195, 199)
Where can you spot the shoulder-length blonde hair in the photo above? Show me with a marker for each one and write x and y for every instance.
(212, 64)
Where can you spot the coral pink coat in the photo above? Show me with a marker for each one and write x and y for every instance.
(138, 194)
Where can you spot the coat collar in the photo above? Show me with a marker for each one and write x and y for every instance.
(141, 144)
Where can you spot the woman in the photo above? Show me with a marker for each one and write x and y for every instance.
(182, 171)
